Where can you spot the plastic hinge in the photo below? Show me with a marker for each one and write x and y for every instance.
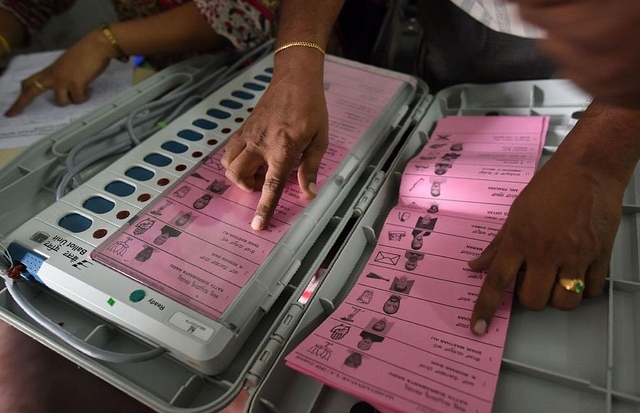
(273, 295)
(401, 114)
(264, 362)
(276, 341)
(369, 193)
(421, 109)
(349, 167)
(290, 271)
(289, 322)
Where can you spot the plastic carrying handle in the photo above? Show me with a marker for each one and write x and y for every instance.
(73, 341)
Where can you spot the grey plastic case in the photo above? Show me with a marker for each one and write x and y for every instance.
(169, 383)
(580, 361)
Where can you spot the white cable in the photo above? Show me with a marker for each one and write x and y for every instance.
(6, 256)
(167, 102)
(73, 341)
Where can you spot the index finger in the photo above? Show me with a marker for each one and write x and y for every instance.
(29, 92)
(274, 182)
(500, 277)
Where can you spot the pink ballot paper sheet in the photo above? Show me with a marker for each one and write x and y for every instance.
(195, 244)
(401, 338)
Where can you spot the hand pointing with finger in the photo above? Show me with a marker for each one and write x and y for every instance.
(290, 122)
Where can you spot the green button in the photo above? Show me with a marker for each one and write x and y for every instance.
(137, 295)
(111, 302)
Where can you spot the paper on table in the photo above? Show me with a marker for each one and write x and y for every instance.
(42, 117)
(401, 338)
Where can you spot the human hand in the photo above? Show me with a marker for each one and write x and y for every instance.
(69, 76)
(289, 121)
(561, 226)
(594, 42)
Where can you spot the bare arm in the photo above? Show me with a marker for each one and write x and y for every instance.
(179, 30)
(183, 29)
(291, 118)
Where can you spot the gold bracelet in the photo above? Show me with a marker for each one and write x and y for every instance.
(5, 43)
(304, 44)
(120, 54)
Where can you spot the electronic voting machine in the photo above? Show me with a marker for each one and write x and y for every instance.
(132, 238)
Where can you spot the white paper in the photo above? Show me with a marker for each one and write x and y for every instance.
(500, 16)
(42, 117)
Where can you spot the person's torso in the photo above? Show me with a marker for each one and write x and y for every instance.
(500, 16)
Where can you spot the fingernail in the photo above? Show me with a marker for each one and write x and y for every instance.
(9, 113)
(480, 328)
(313, 188)
(257, 223)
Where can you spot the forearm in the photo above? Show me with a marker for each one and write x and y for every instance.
(179, 30)
(303, 20)
(605, 139)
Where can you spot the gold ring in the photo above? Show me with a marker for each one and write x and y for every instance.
(39, 85)
(575, 285)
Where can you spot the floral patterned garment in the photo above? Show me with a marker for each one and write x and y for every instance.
(246, 23)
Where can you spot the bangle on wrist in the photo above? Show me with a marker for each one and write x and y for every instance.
(303, 44)
(120, 54)
(5, 44)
